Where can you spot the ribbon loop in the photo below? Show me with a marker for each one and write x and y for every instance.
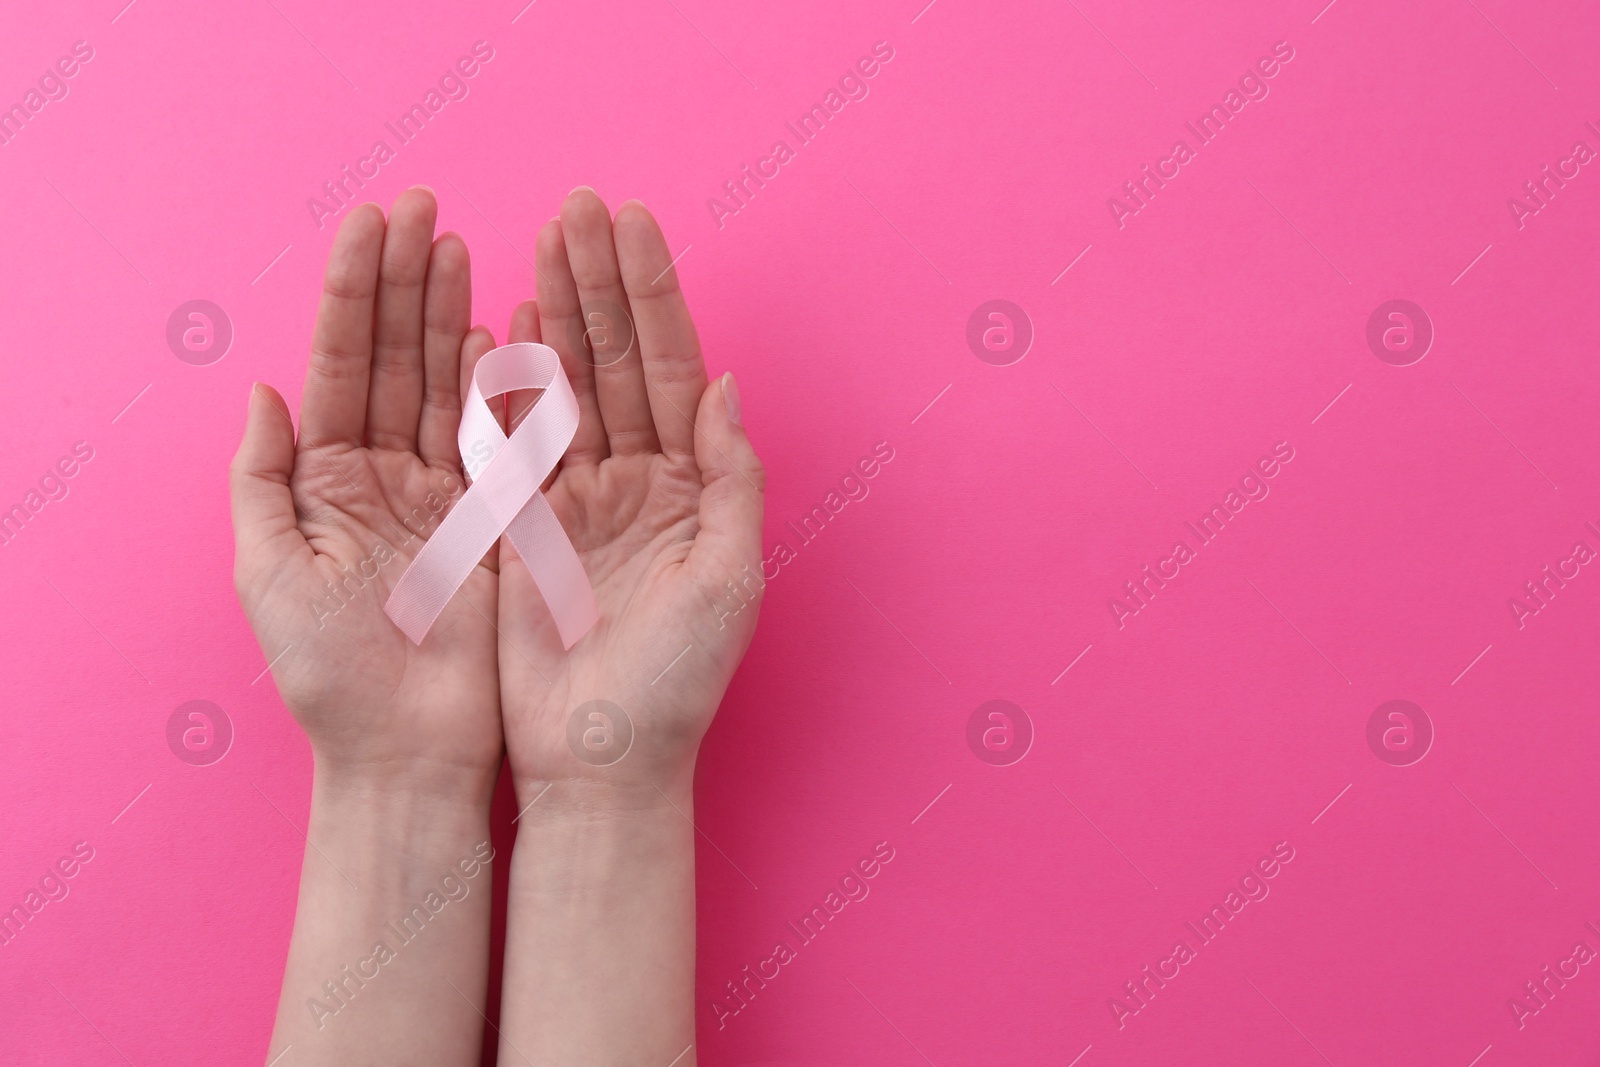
(504, 498)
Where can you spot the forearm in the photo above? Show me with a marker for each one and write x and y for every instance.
(600, 932)
(389, 957)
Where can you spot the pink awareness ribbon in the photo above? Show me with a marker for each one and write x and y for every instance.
(504, 497)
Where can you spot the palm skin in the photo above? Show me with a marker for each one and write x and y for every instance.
(634, 523)
(661, 495)
(325, 522)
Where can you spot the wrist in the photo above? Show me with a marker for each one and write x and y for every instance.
(391, 841)
(374, 789)
(600, 918)
(396, 890)
(604, 798)
(602, 842)
(600, 835)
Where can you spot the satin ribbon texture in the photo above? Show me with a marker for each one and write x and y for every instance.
(504, 497)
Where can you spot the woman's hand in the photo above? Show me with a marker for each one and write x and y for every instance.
(406, 739)
(326, 523)
(660, 493)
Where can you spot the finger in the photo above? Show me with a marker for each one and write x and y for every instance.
(446, 317)
(524, 327)
(561, 327)
(479, 342)
(333, 408)
(674, 373)
(394, 403)
(613, 346)
(733, 489)
(264, 528)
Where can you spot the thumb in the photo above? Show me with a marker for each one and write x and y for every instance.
(258, 480)
(733, 489)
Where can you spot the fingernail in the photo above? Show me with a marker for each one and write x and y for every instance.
(730, 399)
(426, 188)
(581, 189)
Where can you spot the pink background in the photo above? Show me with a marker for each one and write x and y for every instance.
(1223, 318)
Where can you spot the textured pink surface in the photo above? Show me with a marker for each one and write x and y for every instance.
(1221, 318)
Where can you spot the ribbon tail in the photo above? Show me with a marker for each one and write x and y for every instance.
(556, 569)
(443, 564)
